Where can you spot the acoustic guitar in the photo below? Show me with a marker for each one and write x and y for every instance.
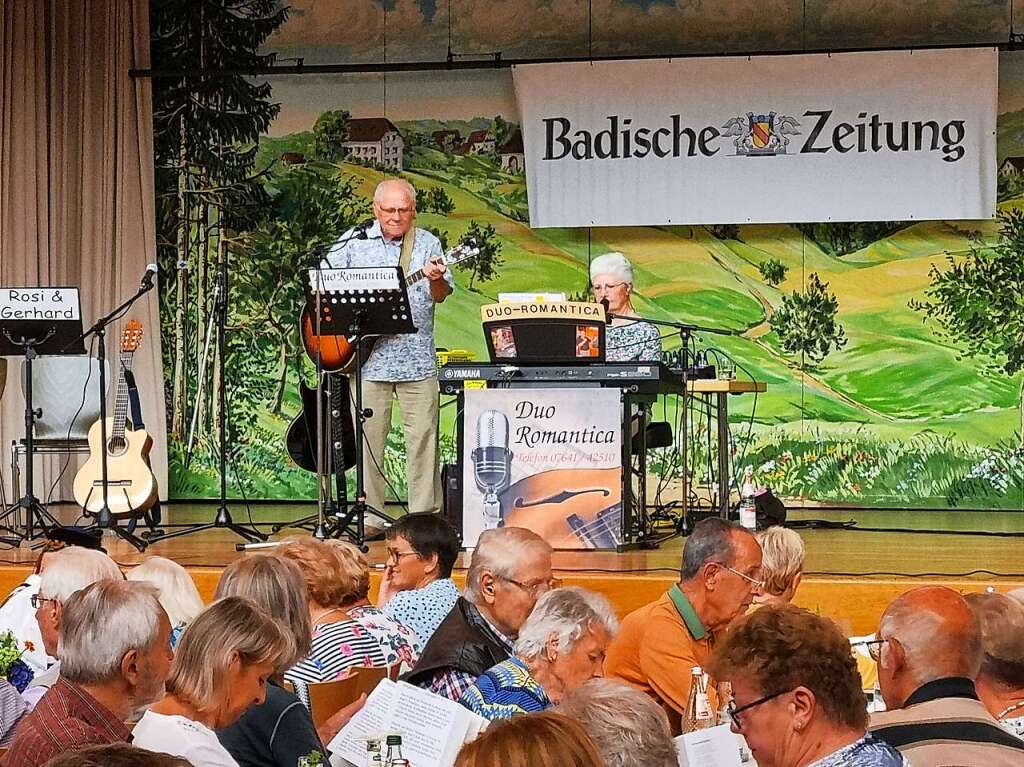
(336, 352)
(568, 508)
(131, 486)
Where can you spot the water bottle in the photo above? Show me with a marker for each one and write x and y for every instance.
(394, 756)
(748, 506)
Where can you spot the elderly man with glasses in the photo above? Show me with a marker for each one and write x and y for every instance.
(660, 642)
(401, 367)
(797, 694)
(509, 572)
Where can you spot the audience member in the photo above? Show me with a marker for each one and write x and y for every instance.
(660, 642)
(116, 755)
(398, 643)
(221, 668)
(560, 646)
(279, 731)
(509, 571)
(178, 592)
(17, 614)
(782, 565)
(929, 652)
(1017, 594)
(797, 697)
(67, 571)
(339, 643)
(12, 708)
(115, 654)
(628, 727)
(417, 588)
(1000, 683)
(545, 738)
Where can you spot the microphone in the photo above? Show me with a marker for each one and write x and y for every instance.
(492, 463)
(147, 279)
(607, 311)
(359, 232)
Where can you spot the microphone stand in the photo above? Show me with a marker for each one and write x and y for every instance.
(685, 330)
(104, 518)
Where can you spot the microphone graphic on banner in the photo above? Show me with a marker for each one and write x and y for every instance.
(492, 463)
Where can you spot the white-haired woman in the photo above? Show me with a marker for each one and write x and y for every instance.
(560, 646)
(178, 593)
(223, 662)
(626, 340)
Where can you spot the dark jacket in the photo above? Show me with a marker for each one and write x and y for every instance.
(462, 641)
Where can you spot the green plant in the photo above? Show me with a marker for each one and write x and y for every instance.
(806, 321)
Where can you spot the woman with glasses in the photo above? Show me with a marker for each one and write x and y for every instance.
(797, 697)
(560, 647)
(626, 339)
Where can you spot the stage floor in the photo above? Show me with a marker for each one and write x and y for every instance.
(849, 574)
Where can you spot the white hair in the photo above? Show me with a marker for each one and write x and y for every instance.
(74, 568)
(628, 727)
(103, 622)
(568, 613)
(502, 552)
(404, 185)
(178, 593)
(615, 264)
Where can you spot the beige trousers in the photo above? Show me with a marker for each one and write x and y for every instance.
(418, 407)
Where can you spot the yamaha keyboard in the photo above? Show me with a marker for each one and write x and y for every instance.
(633, 377)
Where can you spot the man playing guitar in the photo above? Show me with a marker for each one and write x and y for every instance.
(402, 366)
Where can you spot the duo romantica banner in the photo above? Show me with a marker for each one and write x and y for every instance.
(879, 136)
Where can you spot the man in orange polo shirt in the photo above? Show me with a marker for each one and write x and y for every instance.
(661, 642)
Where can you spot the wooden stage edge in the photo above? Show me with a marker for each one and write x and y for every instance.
(850, 575)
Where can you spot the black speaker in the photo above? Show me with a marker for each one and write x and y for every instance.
(770, 510)
(451, 490)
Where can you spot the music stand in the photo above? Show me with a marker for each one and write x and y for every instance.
(37, 321)
(358, 302)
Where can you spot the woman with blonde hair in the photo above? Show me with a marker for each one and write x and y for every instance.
(782, 565)
(178, 593)
(533, 739)
(339, 643)
(223, 662)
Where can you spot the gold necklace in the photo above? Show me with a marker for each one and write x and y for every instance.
(318, 618)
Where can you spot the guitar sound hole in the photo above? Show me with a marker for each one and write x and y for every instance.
(116, 446)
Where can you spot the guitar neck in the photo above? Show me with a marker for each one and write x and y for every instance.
(121, 400)
(418, 275)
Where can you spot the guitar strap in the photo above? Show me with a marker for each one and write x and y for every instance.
(408, 244)
(133, 400)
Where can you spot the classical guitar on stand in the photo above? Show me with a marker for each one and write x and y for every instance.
(131, 486)
(336, 352)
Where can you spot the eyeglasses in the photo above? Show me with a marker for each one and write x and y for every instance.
(603, 288)
(399, 211)
(38, 601)
(734, 713)
(396, 555)
(753, 581)
(874, 647)
(535, 589)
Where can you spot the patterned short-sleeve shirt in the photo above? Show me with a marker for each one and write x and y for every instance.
(408, 357)
(398, 642)
(632, 342)
(336, 648)
(869, 751)
(505, 690)
(423, 609)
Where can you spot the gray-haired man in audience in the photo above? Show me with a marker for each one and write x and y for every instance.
(929, 652)
(115, 652)
(67, 571)
(510, 570)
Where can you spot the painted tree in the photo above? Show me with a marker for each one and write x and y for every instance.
(206, 125)
(806, 322)
(978, 301)
(330, 132)
(773, 271)
(485, 266)
(437, 200)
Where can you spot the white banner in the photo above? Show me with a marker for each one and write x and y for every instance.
(880, 136)
(548, 460)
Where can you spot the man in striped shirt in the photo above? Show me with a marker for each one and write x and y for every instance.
(929, 652)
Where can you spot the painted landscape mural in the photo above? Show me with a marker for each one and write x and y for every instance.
(892, 351)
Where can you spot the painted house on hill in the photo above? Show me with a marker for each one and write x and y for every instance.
(513, 159)
(1012, 166)
(446, 140)
(480, 142)
(376, 140)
